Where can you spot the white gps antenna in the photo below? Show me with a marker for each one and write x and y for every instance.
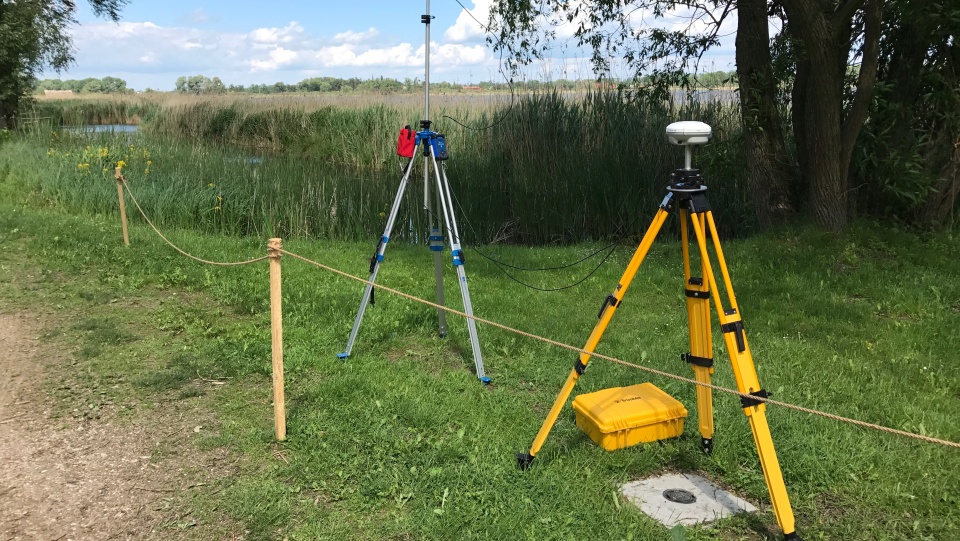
(689, 133)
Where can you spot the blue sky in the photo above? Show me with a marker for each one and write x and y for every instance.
(247, 42)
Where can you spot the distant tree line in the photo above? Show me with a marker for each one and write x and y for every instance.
(200, 84)
(90, 85)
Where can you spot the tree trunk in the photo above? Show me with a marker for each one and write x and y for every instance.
(866, 79)
(822, 113)
(939, 206)
(938, 209)
(798, 97)
(825, 144)
(8, 109)
(768, 165)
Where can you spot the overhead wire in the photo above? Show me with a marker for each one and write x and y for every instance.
(500, 69)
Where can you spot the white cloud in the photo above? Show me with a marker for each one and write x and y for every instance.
(147, 54)
(350, 55)
(278, 57)
(453, 55)
(443, 56)
(197, 16)
(356, 37)
(467, 28)
(272, 36)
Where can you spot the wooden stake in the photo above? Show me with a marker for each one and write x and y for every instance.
(123, 207)
(276, 325)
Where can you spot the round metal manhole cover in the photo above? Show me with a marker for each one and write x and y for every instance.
(678, 495)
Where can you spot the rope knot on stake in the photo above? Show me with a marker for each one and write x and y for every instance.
(275, 248)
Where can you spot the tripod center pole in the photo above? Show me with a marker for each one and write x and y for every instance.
(425, 19)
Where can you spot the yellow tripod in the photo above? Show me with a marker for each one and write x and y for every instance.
(688, 195)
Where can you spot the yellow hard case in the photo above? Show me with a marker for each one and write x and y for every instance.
(624, 416)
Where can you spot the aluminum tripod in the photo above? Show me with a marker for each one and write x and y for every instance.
(436, 194)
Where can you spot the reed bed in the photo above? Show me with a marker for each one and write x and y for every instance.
(535, 169)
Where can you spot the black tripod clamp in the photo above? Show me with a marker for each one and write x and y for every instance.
(686, 180)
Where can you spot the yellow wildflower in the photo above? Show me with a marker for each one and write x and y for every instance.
(149, 162)
(211, 185)
(121, 164)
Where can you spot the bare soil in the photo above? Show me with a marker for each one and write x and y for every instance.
(77, 477)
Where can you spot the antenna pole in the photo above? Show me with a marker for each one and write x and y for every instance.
(425, 19)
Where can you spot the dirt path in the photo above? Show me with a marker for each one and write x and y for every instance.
(69, 478)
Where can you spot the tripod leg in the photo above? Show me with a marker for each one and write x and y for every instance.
(610, 304)
(375, 261)
(446, 204)
(745, 373)
(700, 356)
(436, 246)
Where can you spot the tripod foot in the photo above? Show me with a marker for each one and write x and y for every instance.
(524, 460)
(343, 356)
(485, 380)
(791, 537)
(707, 445)
(443, 334)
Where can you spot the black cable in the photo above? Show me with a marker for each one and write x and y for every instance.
(568, 265)
(474, 231)
(513, 96)
(500, 265)
(575, 284)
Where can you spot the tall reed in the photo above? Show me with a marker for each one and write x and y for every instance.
(548, 168)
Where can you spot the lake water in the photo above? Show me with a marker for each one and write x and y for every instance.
(101, 128)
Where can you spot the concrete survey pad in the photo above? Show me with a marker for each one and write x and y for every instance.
(686, 499)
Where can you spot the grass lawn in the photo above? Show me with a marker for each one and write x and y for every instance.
(401, 442)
